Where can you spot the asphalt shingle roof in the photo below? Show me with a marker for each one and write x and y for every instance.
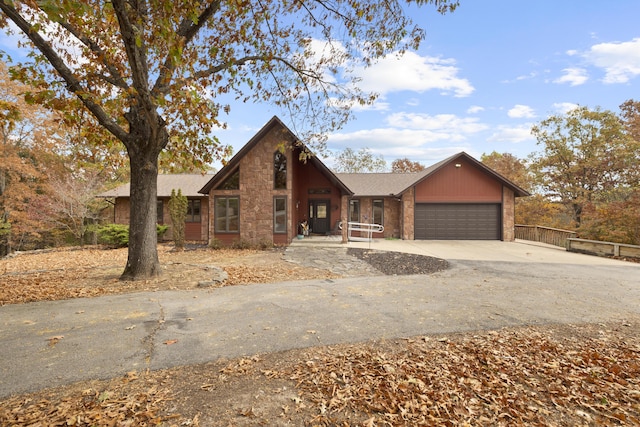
(188, 183)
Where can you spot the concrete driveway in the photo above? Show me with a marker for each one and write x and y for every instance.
(520, 251)
(490, 285)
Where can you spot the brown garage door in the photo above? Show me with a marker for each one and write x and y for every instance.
(453, 221)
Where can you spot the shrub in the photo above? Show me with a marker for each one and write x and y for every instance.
(117, 235)
(264, 244)
(161, 229)
(241, 244)
(216, 244)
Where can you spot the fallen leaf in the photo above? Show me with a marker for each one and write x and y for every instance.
(54, 340)
(169, 342)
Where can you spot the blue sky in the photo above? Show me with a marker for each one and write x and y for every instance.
(484, 75)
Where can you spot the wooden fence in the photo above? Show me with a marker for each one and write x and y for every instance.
(568, 240)
(548, 235)
(593, 247)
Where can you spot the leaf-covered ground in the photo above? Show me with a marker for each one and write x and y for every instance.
(562, 375)
(51, 275)
(554, 375)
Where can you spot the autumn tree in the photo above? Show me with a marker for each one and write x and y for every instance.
(511, 167)
(406, 166)
(153, 75)
(618, 220)
(27, 149)
(535, 209)
(72, 202)
(586, 158)
(361, 161)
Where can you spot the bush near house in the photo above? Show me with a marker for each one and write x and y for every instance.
(117, 235)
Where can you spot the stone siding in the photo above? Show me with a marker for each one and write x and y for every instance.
(257, 191)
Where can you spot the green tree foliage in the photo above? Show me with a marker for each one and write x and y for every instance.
(349, 161)
(406, 166)
(153, 74)
(178, 205)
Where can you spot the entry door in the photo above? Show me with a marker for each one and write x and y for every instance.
(319, 216)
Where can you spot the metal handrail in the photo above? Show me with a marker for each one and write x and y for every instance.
(367, 229)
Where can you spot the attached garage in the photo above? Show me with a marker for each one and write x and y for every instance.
(458, 221)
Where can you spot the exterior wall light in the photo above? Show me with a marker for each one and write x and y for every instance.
(458, 165)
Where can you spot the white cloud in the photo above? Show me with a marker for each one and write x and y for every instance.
(420, 137)
(620, 61)
(573, 76)
(413, 72)
(531, 75)
(447, 123)
(564, 107)
(520, 111)
(512, 134)
(413, 102)
(474, 109)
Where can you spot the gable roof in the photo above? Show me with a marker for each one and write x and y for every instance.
(188, 183)
(232, 164)
(394, 184)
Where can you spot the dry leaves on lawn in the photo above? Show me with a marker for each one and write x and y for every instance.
(120, 402)
(88, 272)
(517, 377)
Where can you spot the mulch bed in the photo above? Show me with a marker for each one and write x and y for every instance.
(398, 263)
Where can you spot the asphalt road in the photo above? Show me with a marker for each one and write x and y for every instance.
(53, 343)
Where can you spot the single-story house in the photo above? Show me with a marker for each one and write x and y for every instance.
(269, 188)
(197, 221)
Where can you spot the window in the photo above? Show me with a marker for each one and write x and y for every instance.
(354, 210)
(227, 211)
(378, 212)
(279, 214)
(160, 212)
(279, 171)
(232, 182)
(193, 210)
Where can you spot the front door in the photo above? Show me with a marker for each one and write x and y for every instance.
(319, 216)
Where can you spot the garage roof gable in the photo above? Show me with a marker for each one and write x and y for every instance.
(394, 184)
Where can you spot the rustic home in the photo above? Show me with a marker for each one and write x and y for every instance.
(267, 191)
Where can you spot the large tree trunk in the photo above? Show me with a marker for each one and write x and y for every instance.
(149, 138)
(142, 261)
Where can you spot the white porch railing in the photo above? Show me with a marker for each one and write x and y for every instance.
(366, 231)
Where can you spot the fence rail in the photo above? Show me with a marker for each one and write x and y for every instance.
(611, 249)
(548, 235)
(365, 231)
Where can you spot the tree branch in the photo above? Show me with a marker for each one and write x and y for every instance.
(134, 45)
(188, 30)
(73, 84)
(116, 79)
